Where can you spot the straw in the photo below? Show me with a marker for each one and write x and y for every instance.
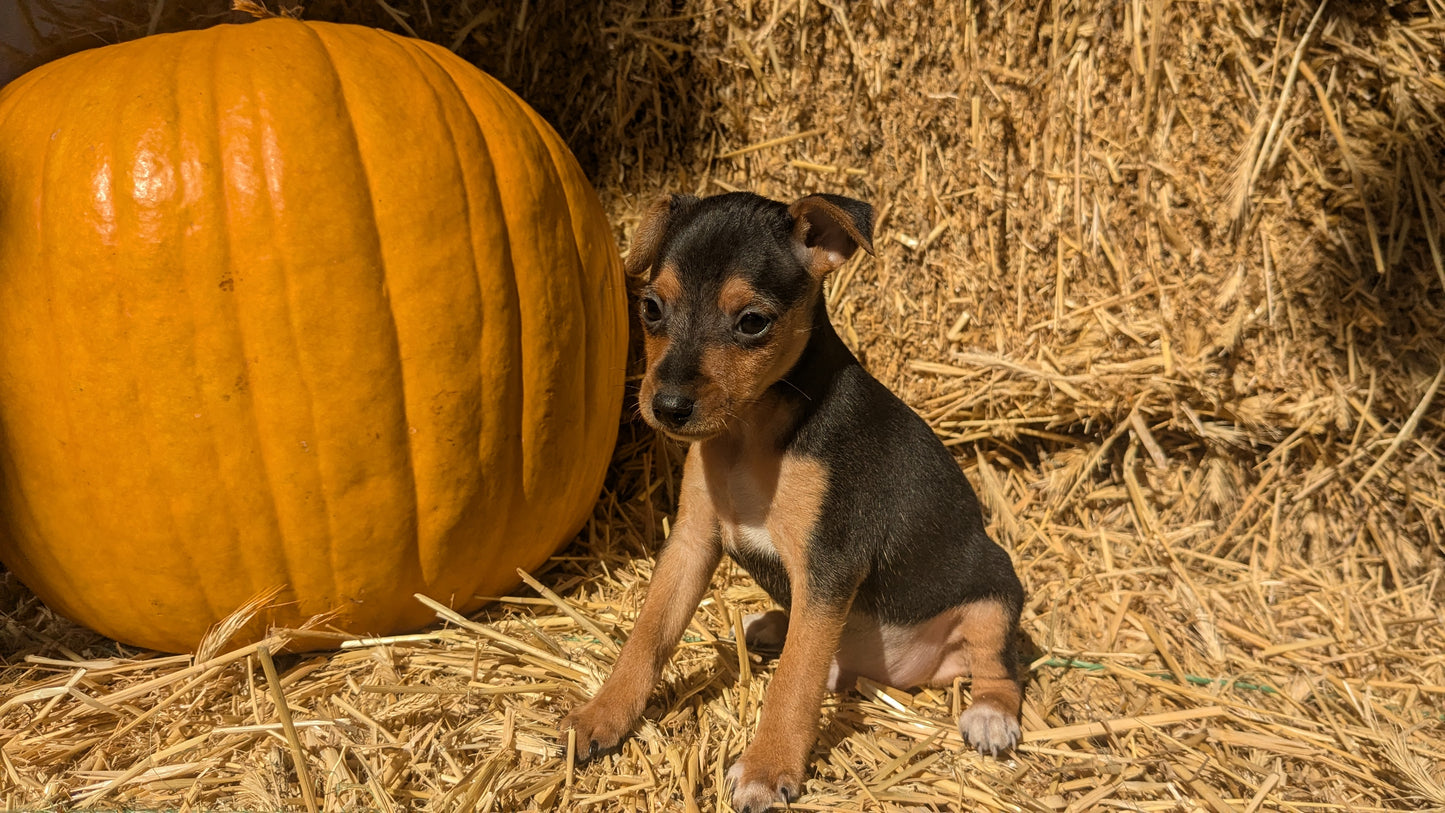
(1211, 444)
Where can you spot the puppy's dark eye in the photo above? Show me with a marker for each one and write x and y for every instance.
(651, 310)
(753, 323)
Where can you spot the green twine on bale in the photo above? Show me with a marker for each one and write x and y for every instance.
(1197, 680)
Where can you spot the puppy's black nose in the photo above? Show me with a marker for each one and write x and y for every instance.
(672, 410)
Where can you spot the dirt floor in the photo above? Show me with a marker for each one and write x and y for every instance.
(1167, 276)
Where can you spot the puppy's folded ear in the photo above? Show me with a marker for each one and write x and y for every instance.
(647, 239)
(828, 229)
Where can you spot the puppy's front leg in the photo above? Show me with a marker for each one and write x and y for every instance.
(684, 568)
(771, 770)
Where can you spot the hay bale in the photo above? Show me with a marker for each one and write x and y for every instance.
(1167, 275)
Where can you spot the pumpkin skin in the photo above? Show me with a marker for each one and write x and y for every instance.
(293, 305)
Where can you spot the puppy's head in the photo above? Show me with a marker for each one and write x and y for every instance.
(730, 299)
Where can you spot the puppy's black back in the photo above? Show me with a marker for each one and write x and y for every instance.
(897, 503)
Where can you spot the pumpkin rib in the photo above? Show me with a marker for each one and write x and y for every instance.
(72, 591)
(286, 272)
(53, 564)
(578, 199)
(601, 360)
(580, 479)
(506, 447)
(200, 62)
(528, 397)
(545, 135)
(491, 443)
(224, 349)
(243, 388)
(76, 592)
(573, 487)
(568, 494)
(177, 157)
(326, 510)
(337, 477)
(518, 344)
(549, 436)
(432, 79)
(305, 531)
(148, 400)
(517, 491)
(482, 93)
(447, 520)
(375, 223)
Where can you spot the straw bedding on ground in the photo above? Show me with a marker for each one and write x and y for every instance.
(1166, 275)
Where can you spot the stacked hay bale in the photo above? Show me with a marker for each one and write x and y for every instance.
(1169, 277)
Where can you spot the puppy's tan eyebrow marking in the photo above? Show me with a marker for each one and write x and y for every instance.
(736, 294)
(666, 283)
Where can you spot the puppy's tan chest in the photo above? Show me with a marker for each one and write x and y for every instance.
(765, 503)
(744, 510)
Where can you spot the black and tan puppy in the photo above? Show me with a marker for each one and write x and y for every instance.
(825, 486)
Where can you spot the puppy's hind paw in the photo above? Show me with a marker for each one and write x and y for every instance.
(989, 729)
(765, 632)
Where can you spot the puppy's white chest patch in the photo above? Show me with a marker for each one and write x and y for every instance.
(755, 538)
(749, 530)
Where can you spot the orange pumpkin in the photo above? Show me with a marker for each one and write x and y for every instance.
(293, 305)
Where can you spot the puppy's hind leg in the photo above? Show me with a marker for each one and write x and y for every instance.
(990, 639)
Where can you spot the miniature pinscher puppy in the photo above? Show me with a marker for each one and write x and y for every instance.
(833, 494)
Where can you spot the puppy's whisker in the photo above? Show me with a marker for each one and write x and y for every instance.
(796, 388)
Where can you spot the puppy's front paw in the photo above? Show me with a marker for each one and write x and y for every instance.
(757, 787)
(987, 728)
(600, 727)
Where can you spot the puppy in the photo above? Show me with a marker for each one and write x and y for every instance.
(833, 494)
